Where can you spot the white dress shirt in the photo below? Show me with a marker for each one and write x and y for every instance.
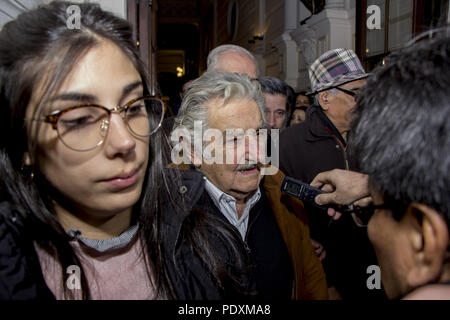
(227, 206)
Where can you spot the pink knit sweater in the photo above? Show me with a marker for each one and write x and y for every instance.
(111, 275)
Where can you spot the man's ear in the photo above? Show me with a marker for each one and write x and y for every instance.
(189, 151)
(324, 100)
(428, 237)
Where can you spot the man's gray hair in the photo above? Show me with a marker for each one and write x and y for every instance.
(274, 86)
(332, 91)
(222, 86)
(214, 56)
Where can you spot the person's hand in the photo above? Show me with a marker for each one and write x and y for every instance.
(343, 187)
(318, 249)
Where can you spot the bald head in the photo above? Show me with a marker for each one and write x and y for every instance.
(231, 58)
(236, 62)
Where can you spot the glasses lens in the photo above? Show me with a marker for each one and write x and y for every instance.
(83, 128)
(145, 115)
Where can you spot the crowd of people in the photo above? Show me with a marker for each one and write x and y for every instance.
(102, 196)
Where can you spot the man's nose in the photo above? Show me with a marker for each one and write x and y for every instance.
(251, 147)
(270, 119)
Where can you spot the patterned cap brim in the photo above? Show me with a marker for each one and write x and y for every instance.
(338, 82)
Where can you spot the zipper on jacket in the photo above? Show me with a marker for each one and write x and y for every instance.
(347, 167)
(344, 151)
(248, 231)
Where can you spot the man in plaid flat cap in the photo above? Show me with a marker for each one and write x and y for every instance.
(319, 144)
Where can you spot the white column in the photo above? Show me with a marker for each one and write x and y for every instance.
(287, 46)
(290, 15)
(335, 4)
(289, 58)
(332, 28)
(262, 16)
(448, 15)
(291, 62)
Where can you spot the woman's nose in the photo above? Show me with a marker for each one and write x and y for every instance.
(119, 139)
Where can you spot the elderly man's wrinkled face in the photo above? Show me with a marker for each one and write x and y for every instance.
(339, 107)
(236, 179)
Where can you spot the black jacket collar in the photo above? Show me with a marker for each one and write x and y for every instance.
(188, 186)
(320, 126)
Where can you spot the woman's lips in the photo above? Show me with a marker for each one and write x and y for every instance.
(123, 181)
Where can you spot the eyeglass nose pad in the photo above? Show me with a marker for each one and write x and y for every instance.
(104, 127)
(120, 110)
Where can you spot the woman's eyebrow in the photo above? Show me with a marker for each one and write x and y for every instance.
(89, 98)
(74, 96)
(129, 88)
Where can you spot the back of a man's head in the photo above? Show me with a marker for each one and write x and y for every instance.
(232, 58)
(401, 132)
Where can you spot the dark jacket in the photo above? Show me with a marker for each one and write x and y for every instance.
(311, 147)
(20, 273)
(306, 149)
(189, 277)
(309, 278)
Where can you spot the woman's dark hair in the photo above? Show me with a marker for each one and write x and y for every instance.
(302, 93)
(37, 52)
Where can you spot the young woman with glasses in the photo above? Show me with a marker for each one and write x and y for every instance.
(87, 210)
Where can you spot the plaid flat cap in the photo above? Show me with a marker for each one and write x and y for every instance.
(334, 68)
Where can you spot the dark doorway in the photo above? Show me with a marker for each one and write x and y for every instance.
(177, 60)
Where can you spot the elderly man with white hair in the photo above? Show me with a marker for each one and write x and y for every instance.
(232, 188)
